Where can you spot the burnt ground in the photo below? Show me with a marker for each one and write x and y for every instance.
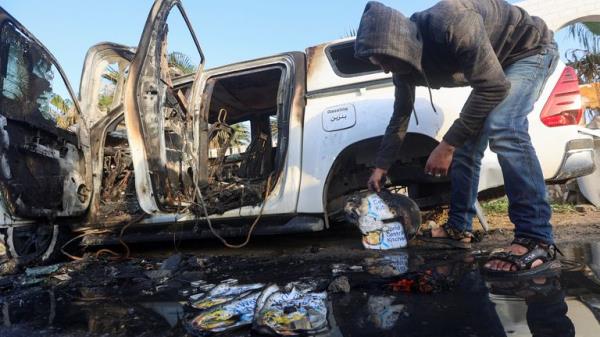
(147, 294)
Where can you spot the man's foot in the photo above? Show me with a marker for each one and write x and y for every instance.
(443, 232)
(514, 249)
(523, 257)
(443, 238)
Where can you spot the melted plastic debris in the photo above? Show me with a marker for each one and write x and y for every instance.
(292, 311)
(226, 291)
(378, 223)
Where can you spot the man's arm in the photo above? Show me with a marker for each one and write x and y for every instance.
(396, 130)
(471, 45)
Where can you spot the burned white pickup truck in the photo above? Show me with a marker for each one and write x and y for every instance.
(157, 147)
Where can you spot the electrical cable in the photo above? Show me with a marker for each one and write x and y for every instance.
(252, 227)
(116, 256)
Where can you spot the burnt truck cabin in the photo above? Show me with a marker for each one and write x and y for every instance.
(247, 135)
(43, 171)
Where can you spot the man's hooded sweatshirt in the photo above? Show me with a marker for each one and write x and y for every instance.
(454, 43)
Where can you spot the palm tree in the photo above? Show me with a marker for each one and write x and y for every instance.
(587, 34)
(67, 116)
(240, 135)
(63, 105)
(586, 60)
(112, 74)
(180, 64)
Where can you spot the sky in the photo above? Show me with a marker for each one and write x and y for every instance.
(228, 30)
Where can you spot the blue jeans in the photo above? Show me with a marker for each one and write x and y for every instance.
(506, 131)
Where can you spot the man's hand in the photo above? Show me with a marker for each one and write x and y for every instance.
(439, 160)
(375, 180)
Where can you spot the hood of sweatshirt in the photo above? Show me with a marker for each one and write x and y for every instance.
(384, 30)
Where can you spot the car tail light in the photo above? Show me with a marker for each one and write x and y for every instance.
(564, 105)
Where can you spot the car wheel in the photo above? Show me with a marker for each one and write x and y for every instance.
(33, 244)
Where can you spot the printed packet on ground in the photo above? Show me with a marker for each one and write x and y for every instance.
(228, 316)
(224, 292)
(292, 310)
(295, 311)
(379, 224)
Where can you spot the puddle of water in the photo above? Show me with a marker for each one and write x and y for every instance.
(397, 294)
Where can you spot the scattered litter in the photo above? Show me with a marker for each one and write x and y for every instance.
(224, 292)
(227, 316)
(183, 292)
(206, 287)
(295, 309)
(383, 227)
(196, 297)
(62, 277)
(41, 271)
(291, 312)
(160, 274)
(161, 287)
(382, 313)
(31, 281)
(339, 285)
(171, 263)
(8, 267)
(356, 269)
(388, 266)
(341, 268)
(196, 284)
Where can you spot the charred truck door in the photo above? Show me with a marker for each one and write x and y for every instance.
(165, 136)
(44, 143)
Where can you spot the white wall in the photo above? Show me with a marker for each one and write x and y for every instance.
(559, 13)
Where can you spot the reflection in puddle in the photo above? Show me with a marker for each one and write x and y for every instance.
(399, 293)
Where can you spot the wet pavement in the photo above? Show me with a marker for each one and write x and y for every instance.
(395, 293)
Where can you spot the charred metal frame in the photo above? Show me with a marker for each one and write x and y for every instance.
(144, 129)
(76, 201)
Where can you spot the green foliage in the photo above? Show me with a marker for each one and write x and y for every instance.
(586, 33)
(112, 74)
(181, 63)
(496, 206)
(586, 64)
(593, 27)
(500, 207)
(105, 102)
(586, 61)
(61, 104)
(350, 33)
(241, 134)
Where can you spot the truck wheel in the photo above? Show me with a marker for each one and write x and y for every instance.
(33, 244)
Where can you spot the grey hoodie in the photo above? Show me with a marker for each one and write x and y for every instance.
(454, 43)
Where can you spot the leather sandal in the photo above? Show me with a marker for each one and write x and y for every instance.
(455, 240)
(535, 251)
